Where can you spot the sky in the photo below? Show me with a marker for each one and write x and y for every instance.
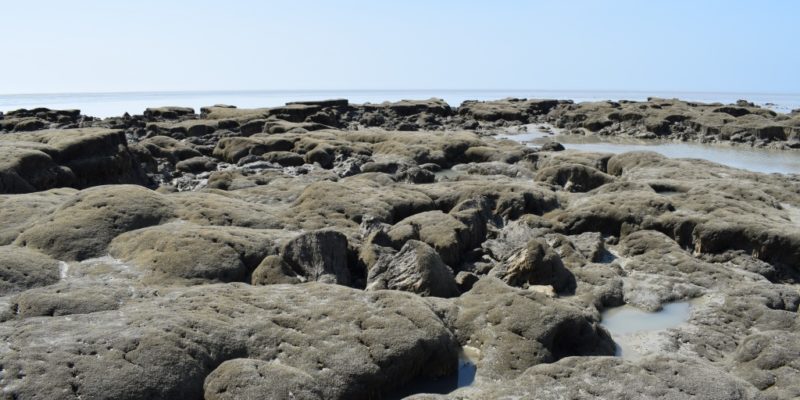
(56, 46)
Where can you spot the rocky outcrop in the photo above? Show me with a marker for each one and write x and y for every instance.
(612, 378)
(521, 110)
(22, 269)
(769, 361)
(330, 250)
(416, 268)
(206, 343)
(57, 158)
(85, 224)
(319, 256)
(448, 236)
(676, 119)
(573, 177)
(21, 211)
(185, 250)
(535, 264)
(166, 113)
(25, 120)
(515, 329)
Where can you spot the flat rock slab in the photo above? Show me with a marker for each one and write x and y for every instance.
(336, 341)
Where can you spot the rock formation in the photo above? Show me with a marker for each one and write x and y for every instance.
(328, 250)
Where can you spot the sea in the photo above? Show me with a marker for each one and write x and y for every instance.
(114, 104)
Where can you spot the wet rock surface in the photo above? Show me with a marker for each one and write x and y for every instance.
(328, 250)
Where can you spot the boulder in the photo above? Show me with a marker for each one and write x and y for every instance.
(535, 264)
(22, 269)
(612, 214)
(28, 170)
(416, 268)
(167, 113)
(234, 148)
(20, 211)
(214, 208)
(204, 253)
(247, 378)
(197, 165)
(77, 158)
(348, 201)
(183, 129)
(252, 127)
(614, 378)
(507, 110)
(514, 329)
(552, 146)
(319, 256)
(83, 226)
(169, 347)
(573, 177)
(71, 298)
(284, 158)
(447, 235)
(168, 148)
(770, 361)
(274, 270)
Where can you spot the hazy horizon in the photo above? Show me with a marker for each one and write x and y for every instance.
(92, 46)
(418, 90)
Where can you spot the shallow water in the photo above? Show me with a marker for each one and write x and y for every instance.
(535, 135)
(630, 326)
(115, 104)
(628, 319)
(794, 212)
(756, 160)
(464, 377)
(447, 174)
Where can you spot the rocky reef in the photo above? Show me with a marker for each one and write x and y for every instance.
(328, 250)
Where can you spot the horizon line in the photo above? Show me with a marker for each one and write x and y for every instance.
(219, 91)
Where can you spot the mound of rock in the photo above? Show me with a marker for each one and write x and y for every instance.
(85, 224)
(416, 268)
(676, 119)
(77, 158)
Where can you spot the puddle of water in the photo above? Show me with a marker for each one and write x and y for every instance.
(464, 376)
(794, 212)
(63, 270)
(446, 175)
(756, 160)
(531, 133)
(632, 329)
(628, 319)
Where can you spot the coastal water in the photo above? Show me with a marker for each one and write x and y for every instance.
(751, 159)
(114, 104)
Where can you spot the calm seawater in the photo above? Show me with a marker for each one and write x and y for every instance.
(114, 104)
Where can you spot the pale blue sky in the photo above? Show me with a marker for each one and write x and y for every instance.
(93, 45)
